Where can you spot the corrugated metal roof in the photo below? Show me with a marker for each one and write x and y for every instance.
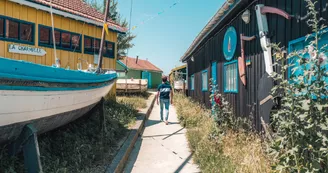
(216, 19)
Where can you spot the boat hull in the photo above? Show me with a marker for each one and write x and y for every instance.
(47, 110)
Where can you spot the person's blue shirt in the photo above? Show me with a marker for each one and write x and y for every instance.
(164, 90)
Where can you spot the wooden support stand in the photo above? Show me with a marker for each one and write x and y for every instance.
(101, 108)
(28, 142)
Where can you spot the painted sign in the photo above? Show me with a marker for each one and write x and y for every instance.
(230, 43)
(26, 50)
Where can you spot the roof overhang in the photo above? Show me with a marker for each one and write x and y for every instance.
(226, 8)
(82, 18)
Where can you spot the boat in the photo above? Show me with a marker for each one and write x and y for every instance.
(48, 96)
(131, 85)
(178, 85)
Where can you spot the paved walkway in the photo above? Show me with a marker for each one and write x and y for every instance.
(161, 148)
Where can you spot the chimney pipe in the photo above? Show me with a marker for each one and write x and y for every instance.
(137, 59)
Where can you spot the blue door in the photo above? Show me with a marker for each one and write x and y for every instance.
(147, 75)
(214, 79)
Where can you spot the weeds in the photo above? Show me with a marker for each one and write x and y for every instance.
(79, 146)
(137, 101)
(216, 150)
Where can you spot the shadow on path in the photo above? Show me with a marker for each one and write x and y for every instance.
(173, 134)
(133, 156)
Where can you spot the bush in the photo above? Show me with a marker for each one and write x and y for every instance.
(218, 147)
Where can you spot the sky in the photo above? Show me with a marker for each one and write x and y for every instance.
(165, 38)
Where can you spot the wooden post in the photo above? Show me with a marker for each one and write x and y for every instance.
(184, 87)
(140, 85)
(103, 38)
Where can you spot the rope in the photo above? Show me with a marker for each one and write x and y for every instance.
(53, 35)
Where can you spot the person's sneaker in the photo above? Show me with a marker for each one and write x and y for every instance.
(166, 122)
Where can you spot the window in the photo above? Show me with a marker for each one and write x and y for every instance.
(16, 30)
(12, 29)
(87, 44)
(96, 45)
(192, 82)
(65, 40)
(110, 51)
(1, 27)
(76, 42)
(44, 35)
(204, 81)
(230, 80)
(92, 46)
(26, 32)
(298, 65)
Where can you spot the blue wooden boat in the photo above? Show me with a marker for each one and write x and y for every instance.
(48, 97)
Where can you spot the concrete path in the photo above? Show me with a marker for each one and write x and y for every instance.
(161, 148)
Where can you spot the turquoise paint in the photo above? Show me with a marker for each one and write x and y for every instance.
(214, 79)
(224, 76)
(204, 89)
(147, 75)
(299, 45)
(192, 82)
(230, 43)
(18, 40)
(26, 88)
(122, 64)
(13, 69)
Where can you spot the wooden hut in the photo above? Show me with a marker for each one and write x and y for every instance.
(244, 28)
(26, 33)
(139, 69)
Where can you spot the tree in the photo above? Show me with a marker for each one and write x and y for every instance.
(123, 40)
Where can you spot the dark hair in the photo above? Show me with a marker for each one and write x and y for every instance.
(164, 79)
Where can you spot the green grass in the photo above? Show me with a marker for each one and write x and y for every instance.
(137, 101)
(79, 146)
(233, 152)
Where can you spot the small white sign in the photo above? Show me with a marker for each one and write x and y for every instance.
(26, 50)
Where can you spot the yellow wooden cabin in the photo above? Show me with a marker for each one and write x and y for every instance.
(77, 26)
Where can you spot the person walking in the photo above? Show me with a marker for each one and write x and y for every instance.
(165, 96)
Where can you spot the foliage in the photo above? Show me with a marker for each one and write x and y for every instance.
(300, 142)
(137, 101)
(218, 150)
(124, 41)
(80, 146)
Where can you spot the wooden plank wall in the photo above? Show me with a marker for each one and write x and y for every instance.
(280, 30)
(37, 17)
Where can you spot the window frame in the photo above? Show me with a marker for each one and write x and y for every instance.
(225, 90)
(106, 54)
(204, 89)
(59, 47)
(192, 82)
(4, 38)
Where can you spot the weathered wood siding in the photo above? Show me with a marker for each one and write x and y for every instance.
(280, 30)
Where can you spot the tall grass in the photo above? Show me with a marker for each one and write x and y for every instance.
(137, 101)
(79, 146)
(234, 151)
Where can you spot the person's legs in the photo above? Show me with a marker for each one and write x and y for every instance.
(161, 106)
(167, 105)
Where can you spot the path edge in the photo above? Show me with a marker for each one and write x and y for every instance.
(123, 154)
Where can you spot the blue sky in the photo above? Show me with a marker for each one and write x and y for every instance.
(164, 39)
